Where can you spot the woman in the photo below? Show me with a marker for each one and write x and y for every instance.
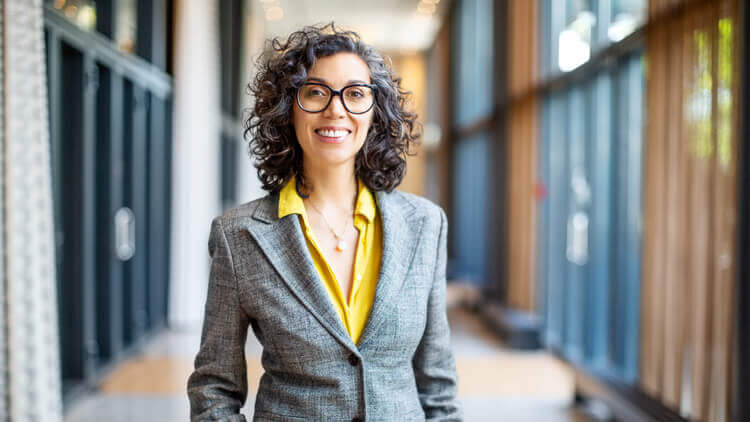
(341, 278)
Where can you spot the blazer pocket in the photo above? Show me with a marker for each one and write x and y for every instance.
(273, 417)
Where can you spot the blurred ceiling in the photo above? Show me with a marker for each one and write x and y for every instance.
(389, 25)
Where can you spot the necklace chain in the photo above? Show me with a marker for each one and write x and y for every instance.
(330, 227)
(340, 245)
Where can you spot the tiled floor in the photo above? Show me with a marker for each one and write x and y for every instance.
(495, 384)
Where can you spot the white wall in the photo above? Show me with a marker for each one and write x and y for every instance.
(196, 154)
(248, 185)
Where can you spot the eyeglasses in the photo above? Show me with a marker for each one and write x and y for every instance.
(314, 97)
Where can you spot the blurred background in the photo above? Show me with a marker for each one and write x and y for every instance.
(591, 155)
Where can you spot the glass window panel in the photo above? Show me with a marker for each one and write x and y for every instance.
(573, 9)
(126, 25)
(628, 205)
(591, 163)
(555, 146)
(600, 165)
(576, 251)
(81, 12)
(485, 58)
(575, 39)
(627, 16)
(470, 207)
(473, 61)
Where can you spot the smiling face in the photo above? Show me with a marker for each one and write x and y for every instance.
(333, 136)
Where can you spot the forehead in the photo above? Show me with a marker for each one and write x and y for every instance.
(340, 69)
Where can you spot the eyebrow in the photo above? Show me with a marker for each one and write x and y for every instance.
(351, 81)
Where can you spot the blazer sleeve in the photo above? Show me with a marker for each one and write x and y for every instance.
(217, 388)
(433, 362)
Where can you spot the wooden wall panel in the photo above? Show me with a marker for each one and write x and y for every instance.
(726, 36)
(699, 219)
(690, 210)
(522, 153)
(412, 69)
(700, 128)
(522, 166)
(523, 40)
(653, 234)
(674, 275)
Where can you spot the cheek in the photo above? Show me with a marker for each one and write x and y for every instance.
(364, 127)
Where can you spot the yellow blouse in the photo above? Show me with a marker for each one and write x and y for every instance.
(355, 309)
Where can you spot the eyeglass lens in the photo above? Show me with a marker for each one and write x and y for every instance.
(315, 98)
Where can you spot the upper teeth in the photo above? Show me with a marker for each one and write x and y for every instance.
(332, 133)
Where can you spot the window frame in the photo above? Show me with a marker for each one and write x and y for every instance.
(741, 410)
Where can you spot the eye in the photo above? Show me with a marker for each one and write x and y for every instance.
(316, 92)
(313, 91)
(355, 93)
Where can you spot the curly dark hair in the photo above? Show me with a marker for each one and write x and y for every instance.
(282, 68)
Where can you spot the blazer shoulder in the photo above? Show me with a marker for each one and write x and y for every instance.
(238, 216)
(422, 206)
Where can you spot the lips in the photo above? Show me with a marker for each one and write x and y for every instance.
(332, 134)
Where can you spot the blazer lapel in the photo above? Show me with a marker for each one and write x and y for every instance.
(401, 232)
(283, 243)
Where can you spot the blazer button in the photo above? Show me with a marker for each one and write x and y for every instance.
(354, 360)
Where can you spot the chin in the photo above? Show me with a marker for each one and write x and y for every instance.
(340, 154)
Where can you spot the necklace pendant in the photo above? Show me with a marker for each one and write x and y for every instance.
(340, 246)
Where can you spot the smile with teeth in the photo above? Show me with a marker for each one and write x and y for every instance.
(331, 133)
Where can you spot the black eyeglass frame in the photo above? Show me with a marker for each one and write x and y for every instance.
(338, 93)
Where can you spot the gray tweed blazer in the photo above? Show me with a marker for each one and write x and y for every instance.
(263, 276)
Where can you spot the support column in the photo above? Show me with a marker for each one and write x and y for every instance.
(196, 154)
(29, 345)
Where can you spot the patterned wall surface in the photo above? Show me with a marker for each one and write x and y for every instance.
(3, 294)
(29, 351)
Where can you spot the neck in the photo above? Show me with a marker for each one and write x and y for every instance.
(333, 187)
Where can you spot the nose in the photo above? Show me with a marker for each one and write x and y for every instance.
(335, 109)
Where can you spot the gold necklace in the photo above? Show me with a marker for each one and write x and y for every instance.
(340, 244)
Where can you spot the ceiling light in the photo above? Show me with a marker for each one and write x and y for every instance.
(274, 13)
(86, 18)
(431, 1)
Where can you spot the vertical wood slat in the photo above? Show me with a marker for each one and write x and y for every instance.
(522, 215)
(699, 212)
(522, 155)
(411, 68)
(690, 140)
(724, 222)
(675, 225)
(653, 233)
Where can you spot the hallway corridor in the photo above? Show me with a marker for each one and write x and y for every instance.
(495, 384)
(590, 160)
